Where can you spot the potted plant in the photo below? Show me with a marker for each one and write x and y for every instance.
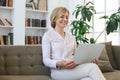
(80, 26)
(112, 21)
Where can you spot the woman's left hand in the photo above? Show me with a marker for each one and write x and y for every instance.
(70, 64)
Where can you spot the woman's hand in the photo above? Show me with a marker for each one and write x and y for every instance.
(95, 61)
(66, 64)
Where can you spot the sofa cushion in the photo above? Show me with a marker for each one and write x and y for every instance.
(22, 60)
(112, 75)
(104, 62)
(110, 54)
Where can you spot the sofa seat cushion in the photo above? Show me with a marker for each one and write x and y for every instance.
(112, 75)
(24, 77)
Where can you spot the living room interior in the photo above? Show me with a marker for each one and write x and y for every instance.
(24, 22)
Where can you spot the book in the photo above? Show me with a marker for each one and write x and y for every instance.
(39, 40)
(30, 40)
(29, 6)
(10, 38)
(5, 39)
(33, 22)
(6, 22)
(9, 3)
(26, 39)
(2, 2)
(1, 40)
(42, 5)
(43, 23)
(27, 22)
(37, 23)
(1, 22)
(33, 4)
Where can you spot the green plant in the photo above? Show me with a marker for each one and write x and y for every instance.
(112, 21)
(80, 26)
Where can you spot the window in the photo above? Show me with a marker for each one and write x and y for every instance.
(103, 7)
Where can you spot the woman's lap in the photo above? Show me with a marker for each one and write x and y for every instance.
(77, 73)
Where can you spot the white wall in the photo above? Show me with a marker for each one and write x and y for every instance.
(18, 22)
(55, 3)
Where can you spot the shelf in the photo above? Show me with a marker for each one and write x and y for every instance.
(34, 44)
(4, 30)
(35, 31)
(36, 28)
(6, 8)
(10, 27)
(34, 10)
(36, 14)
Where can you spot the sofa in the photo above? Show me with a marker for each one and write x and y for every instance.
(24, 62)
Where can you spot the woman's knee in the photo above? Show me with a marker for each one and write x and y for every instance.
(93, 65)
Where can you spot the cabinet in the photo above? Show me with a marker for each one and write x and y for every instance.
(17, 16)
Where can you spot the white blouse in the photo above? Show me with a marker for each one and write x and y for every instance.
(56, 48)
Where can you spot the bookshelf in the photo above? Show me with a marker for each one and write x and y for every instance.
(6, 27)
(35, 22)
(17, 14)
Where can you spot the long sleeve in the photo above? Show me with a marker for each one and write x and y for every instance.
(46, 46)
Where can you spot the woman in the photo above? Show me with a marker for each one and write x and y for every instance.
(58, 50)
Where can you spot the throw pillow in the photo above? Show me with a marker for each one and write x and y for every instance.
(104, 63)
(110, 53)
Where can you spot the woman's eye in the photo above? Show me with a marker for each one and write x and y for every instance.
(64, 17)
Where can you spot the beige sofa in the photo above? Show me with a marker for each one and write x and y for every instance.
(25, 63)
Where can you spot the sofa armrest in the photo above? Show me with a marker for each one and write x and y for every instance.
(116, 52)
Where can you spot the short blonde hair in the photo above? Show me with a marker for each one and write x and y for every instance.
(58, 11)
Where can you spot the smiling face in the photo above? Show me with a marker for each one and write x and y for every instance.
(62, 20)
(59, 17)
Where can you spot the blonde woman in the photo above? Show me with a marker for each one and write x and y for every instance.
(58, 50)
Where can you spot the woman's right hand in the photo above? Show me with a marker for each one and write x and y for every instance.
(66, 64)
(96, 61)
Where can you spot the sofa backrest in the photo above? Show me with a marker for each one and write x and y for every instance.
(116, 52)
(22, 60)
